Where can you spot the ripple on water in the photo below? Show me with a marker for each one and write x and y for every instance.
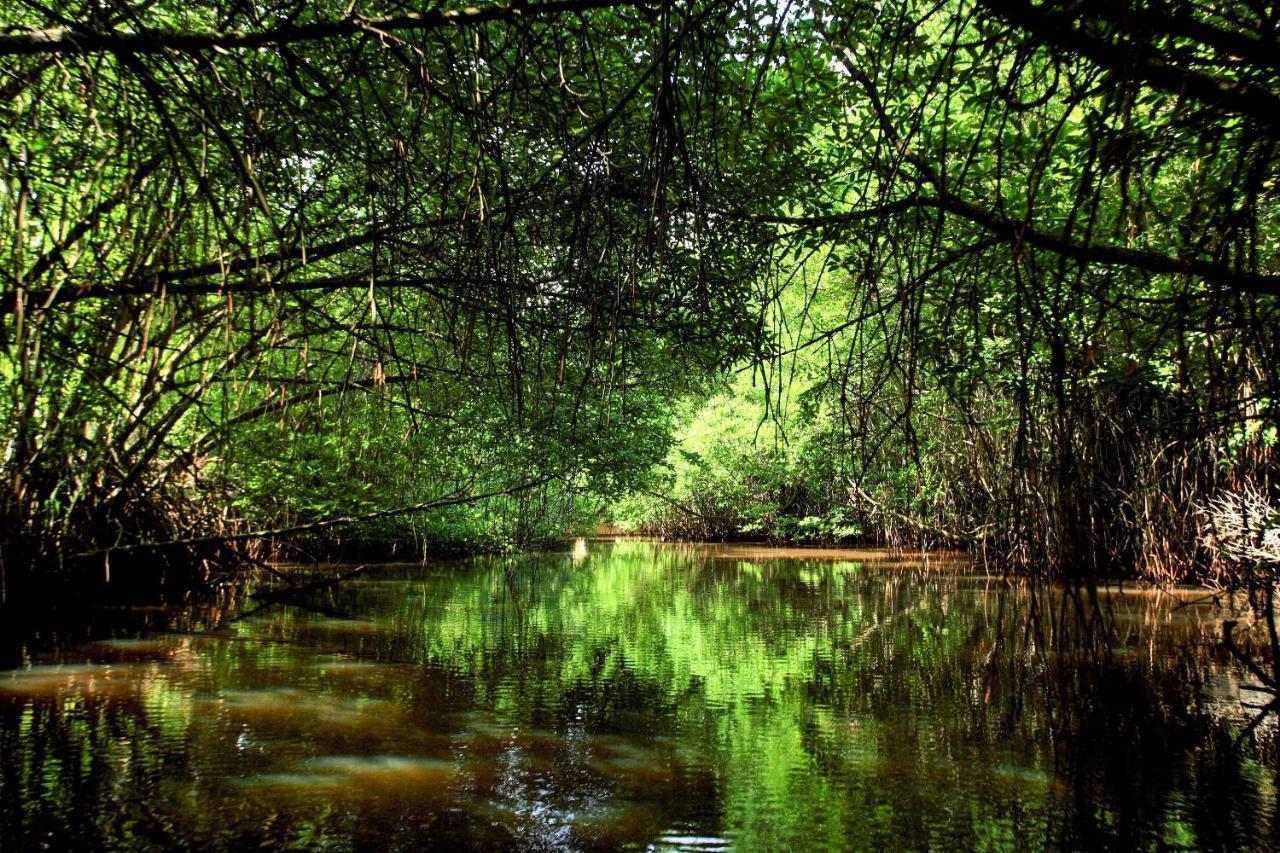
(397, 766)
(354, 670)
(341, 663)
(487, 729)
(141, 644)
(1030, 776)
(634, 763)
(357, 776)
(171, 648)
(289, 704)
(619, 825)
(680, 841)
(341, 626)
(58, 679)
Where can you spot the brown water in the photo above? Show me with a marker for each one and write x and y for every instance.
(644, 696)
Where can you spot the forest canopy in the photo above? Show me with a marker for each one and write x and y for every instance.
(970, 272)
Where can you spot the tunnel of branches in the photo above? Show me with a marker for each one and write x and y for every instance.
(287, 278)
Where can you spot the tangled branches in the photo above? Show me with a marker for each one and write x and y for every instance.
(313, 260)
(303, 260)
(1244, 527)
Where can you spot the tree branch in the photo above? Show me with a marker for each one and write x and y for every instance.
(68, 40)
(426, 506)
(1133, 60)
(1018, 233)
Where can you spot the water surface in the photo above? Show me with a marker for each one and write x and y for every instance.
(645, 696)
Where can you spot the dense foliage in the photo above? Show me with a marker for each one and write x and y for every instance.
(355, 272)
(1030, 295)
(971, 272)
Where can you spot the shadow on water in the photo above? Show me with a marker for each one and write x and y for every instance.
(643, 695)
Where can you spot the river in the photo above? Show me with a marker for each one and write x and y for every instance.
(640, 695)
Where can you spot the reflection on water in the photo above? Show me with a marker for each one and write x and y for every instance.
(647, 696)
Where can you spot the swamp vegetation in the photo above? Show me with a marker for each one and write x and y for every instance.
(987, 274)
(292, 283)
(979, 273)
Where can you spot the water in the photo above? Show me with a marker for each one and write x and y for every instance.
(645, 696)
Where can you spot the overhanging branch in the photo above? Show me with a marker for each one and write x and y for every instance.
(456, 499)
(1018, 233)
(1134, 60)
(68, 40)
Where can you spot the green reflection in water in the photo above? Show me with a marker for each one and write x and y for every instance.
(646, 695)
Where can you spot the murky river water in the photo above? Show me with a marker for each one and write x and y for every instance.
(646, 696)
